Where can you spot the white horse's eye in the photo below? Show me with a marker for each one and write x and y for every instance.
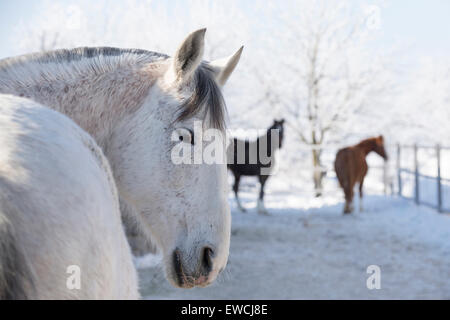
(184, 135)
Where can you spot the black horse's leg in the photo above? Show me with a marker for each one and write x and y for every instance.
(261, 208)
(237, 179)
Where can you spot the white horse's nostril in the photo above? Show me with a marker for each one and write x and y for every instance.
(207, 263)
(188, 279)
(178, 267)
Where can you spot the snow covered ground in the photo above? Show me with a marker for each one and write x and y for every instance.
(306, 249)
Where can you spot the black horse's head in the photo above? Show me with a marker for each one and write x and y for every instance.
(278, 125)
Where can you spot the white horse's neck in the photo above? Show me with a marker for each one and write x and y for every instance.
(93, 86)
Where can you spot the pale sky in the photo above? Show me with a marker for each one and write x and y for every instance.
(422, 24)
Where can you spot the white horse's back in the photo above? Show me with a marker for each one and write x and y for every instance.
(58, 208)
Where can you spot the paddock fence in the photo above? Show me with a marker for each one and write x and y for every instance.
(422, 179)
(416, 172)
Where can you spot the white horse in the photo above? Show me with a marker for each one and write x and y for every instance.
(59, 210)
(132, 102)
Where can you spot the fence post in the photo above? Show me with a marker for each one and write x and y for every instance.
(416, 174)
(439, 188)
(399, 173)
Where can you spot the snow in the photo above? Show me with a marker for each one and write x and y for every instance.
(307, 249)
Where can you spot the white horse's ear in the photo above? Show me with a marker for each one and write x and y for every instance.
(224, 67)
(189, 55)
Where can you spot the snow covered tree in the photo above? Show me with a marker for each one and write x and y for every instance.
(146, 24)
(423, 106)
(326, 69)
(308, 61)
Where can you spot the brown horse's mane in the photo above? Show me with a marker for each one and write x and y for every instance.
(367, 145)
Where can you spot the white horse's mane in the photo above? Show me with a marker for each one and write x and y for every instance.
(69, 63)
(54, 66)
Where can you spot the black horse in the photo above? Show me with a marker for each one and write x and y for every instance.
(255, 158)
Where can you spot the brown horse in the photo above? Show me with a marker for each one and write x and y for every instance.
(351, 167)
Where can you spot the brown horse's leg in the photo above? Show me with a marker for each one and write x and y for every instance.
(361, 195)
(348, 200)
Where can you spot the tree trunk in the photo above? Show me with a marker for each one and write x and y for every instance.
(318, 173)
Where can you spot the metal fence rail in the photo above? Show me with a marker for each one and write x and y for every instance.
(417, 175)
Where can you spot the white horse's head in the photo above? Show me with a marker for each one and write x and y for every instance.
(183, 206)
